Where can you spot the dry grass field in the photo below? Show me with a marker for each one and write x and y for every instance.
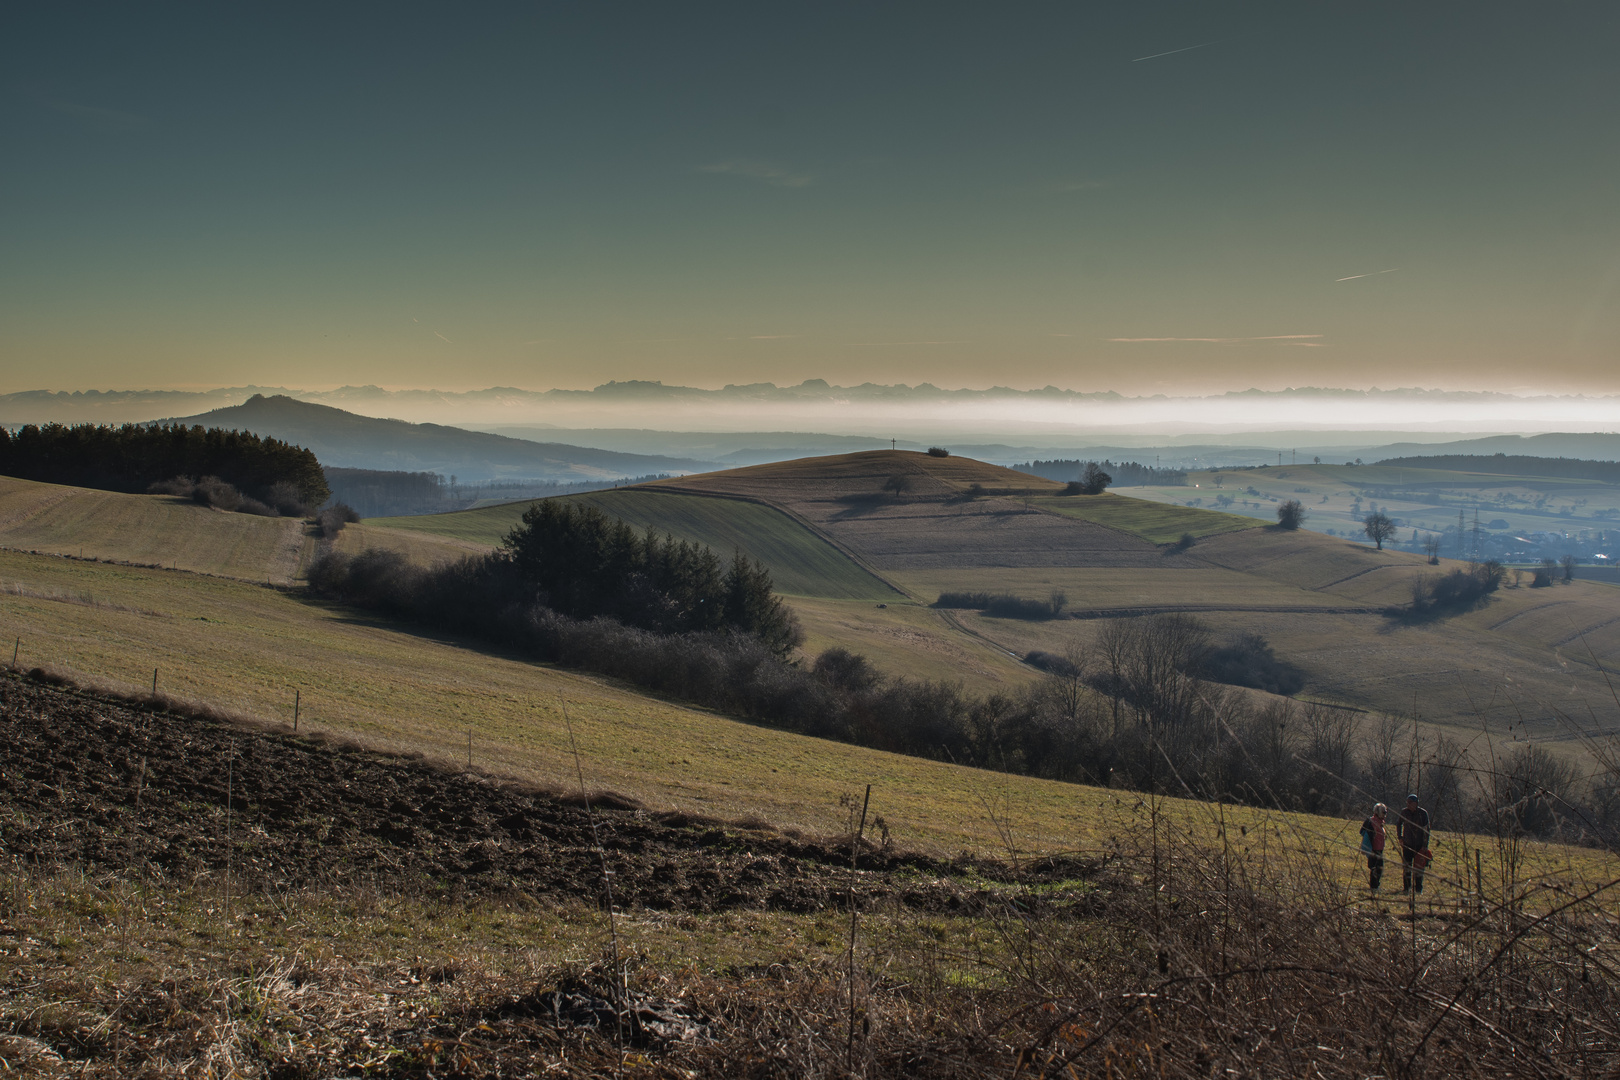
(1522, 659)
(151, 529)
(247, 648)
(1526, 658)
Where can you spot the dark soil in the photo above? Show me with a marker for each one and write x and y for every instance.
(91, 782)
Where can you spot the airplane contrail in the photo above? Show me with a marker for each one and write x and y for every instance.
(1375, 273)
(1173, 52)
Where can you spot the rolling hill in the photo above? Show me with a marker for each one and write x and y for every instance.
(801, 562)
(1320, 601)
(348, 440)
(861, 566)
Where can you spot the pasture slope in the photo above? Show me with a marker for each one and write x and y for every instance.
(151, 530)
(245, 649)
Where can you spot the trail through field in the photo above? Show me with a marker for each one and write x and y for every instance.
(92, 783)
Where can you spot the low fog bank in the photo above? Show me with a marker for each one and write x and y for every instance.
(740, 425)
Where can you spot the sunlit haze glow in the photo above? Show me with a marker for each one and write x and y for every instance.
(1176, 199)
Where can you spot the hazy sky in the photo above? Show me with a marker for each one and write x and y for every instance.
(1143, 197)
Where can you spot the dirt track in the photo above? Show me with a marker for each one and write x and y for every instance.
(86, 781)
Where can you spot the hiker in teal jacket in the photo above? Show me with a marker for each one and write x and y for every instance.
(1372, 845)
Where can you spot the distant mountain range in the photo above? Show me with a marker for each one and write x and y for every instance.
(634, 428)
(347, 440)
(113, 406)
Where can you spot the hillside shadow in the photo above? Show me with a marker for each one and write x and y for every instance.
(355, 617)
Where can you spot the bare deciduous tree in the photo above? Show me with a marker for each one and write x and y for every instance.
(1378, 528)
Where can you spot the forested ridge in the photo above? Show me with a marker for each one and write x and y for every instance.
(134, 457)
(1607, 472)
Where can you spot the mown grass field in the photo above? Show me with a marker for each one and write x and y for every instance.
(1158, 522)
(152, 529)
(801, 563)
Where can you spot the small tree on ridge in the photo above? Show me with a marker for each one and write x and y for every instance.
(1378, 528)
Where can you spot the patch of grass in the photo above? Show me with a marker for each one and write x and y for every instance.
(801, 563)
(905, 638)
(1155, 522)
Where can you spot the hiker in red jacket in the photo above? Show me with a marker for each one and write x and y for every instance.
(1372, 845)
(1412, 826)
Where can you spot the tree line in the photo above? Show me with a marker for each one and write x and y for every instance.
(134, 457)
(1123, 473)
(1607, 472)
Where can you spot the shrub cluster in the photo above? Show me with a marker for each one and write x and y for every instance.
(1093, 481)
(133, 457)
(1460, 590)
(586, 564)
(333, 518)
(281, 499)
(1006, 605)
(1248, 660)
(572, 563)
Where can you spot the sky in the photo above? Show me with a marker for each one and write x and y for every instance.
(1147, 197)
